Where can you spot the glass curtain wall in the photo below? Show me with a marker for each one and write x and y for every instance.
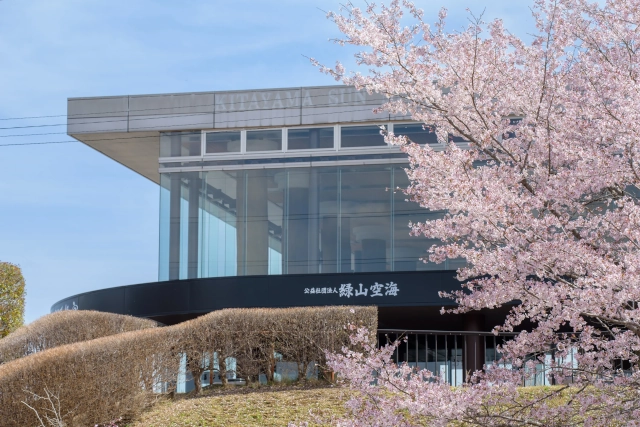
(289, 221)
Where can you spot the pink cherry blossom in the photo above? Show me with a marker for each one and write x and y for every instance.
(542, 200)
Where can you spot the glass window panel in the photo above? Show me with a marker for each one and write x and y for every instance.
(260, 202)
(431, 348)
(264, 140)
(331, 243)
(415, 133)
(455, 346)
(310, 233)
(308, 139)
(457, 138)
(392, 339)
(361, 136)
(180, 144)
(222, 142)
(179, 225)
(218, 253)
(366, 218)
(287, 221)
(412, 348)
(422, 348)
(275, 220)
(184, 237)
(165, 204)
(490, 349)
(499, 342)
(408, 250)
(402, 350)
(442, 361)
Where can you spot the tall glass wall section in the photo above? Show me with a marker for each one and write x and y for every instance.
(297, 220)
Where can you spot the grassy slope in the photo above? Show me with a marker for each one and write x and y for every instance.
(265, 406)
(247, 408)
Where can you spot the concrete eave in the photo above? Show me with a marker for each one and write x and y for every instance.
(127, 128)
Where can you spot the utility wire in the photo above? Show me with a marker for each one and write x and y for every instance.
(32, 117)
(37, 143)
(373, 122)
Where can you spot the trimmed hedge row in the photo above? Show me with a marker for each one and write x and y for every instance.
(114, 376)
(66, 327)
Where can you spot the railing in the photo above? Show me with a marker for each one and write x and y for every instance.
(453, 355)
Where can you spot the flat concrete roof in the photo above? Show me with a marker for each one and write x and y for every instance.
(127, 128)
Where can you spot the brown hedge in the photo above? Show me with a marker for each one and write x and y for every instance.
(66, 327)
(114, 376)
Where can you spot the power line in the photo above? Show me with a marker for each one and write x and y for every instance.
(373, 122)
(32, 117)
(36, 143)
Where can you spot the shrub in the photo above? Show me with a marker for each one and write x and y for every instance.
(66, 327)
(114, 376)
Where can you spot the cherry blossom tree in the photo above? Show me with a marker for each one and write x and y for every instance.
(542, 201)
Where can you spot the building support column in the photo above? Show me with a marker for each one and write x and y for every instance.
(253, 225)
(174, 225)
(474, 344)
(194, 232)
(314, 260)
(298, 229)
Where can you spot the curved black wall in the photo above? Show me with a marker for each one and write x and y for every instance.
(177, 300)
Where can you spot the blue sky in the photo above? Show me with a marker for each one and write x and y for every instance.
(73, 219)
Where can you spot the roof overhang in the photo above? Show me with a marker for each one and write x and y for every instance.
(138, 153)
(127, 128)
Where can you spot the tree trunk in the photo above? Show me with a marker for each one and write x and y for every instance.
(223, 371)
(197, 383)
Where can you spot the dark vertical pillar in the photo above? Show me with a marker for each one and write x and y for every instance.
(256, 241)
(193, 233)
(174, 212)
(357, 260)
(314, 220)
(345, 245)
(314, 211)
(329, 242)
(241, 230)
(174, 226)
(474, 346)
(298, 224)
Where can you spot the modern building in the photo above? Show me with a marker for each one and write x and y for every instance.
(278, 198)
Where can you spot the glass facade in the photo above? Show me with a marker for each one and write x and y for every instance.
(416, 132)
(310, 138)
(223, 142)
(361, 136)
(289, 221)
(264, 140)
(180, 144)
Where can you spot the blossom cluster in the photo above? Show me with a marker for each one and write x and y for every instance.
(543, 202)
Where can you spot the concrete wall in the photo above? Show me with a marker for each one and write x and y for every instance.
(221, 110)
